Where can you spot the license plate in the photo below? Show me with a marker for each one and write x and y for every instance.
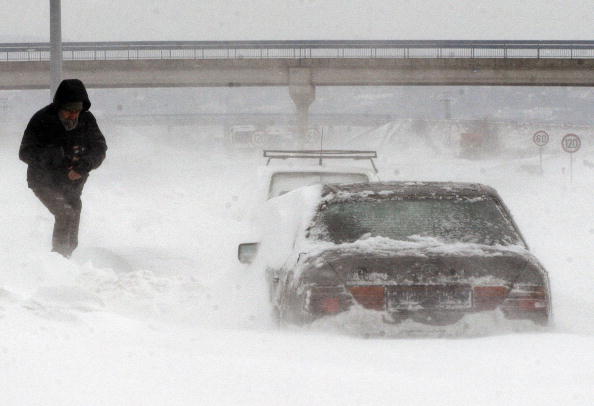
(429, 297)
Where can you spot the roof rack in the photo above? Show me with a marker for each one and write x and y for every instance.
(321, 155)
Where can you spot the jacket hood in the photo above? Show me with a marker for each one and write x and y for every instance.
(72, 90)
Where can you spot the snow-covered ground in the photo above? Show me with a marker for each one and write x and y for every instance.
(154, 309)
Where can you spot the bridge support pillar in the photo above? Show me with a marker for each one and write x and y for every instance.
(303, 94)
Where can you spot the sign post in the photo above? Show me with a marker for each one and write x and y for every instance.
(540, 138)
(571, 143)
(56, 46)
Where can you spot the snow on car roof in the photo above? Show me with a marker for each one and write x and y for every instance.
(380, 190)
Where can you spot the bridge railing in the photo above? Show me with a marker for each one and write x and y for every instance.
(93, 51)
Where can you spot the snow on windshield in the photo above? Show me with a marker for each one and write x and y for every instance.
(479, 221)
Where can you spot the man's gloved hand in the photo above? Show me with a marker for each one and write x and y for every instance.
(78, 167)
(73, 175)
(81, 165)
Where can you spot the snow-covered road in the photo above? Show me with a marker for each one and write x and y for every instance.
(154, 309)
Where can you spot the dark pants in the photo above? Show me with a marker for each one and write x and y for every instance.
(64, 203)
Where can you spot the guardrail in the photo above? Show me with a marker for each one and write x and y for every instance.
(99, 51)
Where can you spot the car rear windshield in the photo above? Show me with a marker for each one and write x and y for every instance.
(284, 182)
(480, 221)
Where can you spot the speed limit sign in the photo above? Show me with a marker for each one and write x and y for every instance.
(541, 138)
(571, 143)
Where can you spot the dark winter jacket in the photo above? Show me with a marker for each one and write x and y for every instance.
(49, 149)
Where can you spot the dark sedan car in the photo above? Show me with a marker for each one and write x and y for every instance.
(428, 253)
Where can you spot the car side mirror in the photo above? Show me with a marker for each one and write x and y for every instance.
(247, 252)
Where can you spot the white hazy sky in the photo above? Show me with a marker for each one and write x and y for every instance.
(134, 20)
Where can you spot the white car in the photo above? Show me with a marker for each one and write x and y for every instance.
(276, 180)
(280, 179)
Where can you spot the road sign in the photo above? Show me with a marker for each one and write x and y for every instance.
(571, 143)
(541, 138)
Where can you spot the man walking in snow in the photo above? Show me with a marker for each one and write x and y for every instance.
(61, 145)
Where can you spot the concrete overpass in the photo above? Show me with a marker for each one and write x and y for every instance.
(325, 63)
(303, 65)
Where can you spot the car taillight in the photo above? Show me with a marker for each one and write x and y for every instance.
(527, 302)
(370, 297)
(526, 299)
(488, 297)
(323, 300)
(329, 305)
